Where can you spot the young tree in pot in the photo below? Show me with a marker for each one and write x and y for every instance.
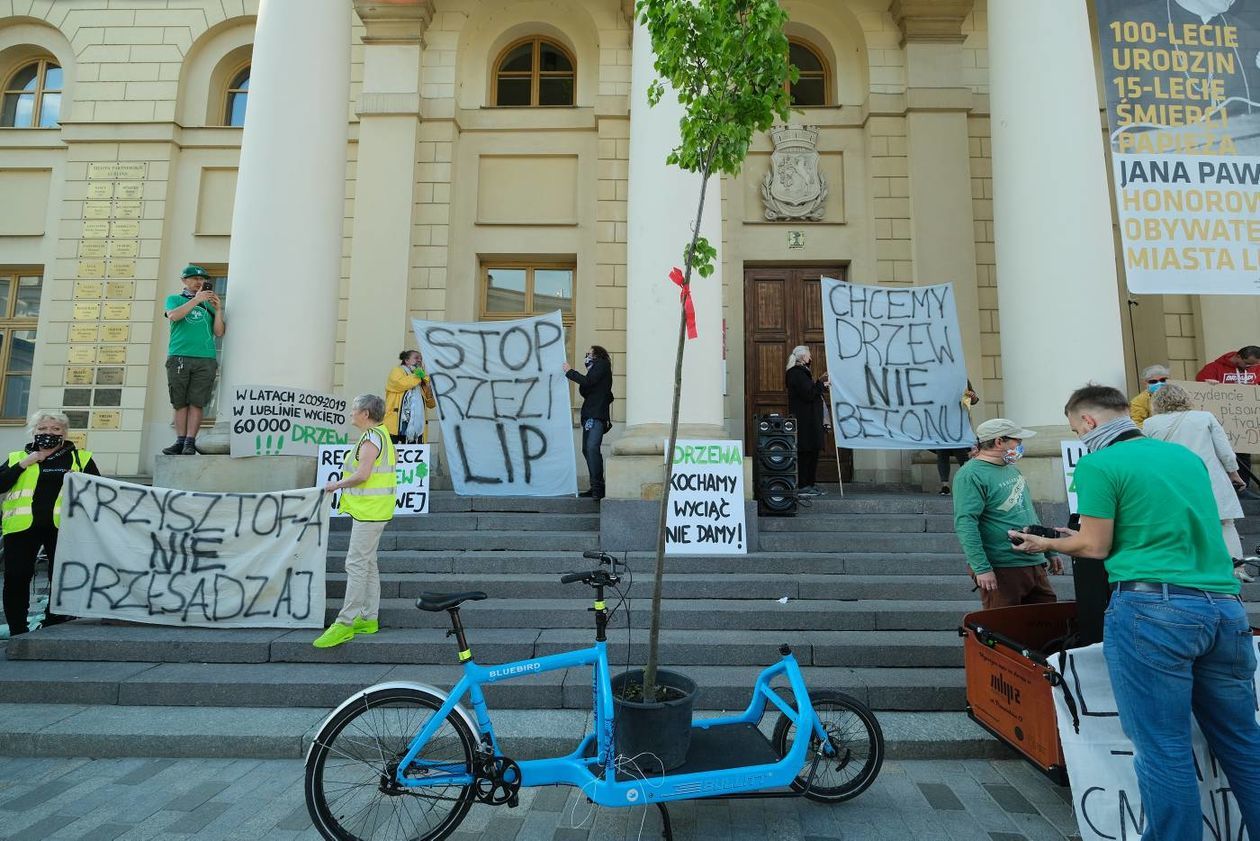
(727, 62)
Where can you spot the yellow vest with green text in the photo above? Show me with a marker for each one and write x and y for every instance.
(16, 506)
(372, 501)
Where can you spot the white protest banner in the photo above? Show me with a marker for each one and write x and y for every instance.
(1183, 101)
(706, 500)
(411, 473)
(1237, 407)
(503, 403)
(896, 366)
(170, 557)
(1099, 760)
(277, 421)
(1072, 452)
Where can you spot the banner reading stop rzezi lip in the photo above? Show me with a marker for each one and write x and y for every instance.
(1183, 101)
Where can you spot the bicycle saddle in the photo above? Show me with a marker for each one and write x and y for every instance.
(445, 601)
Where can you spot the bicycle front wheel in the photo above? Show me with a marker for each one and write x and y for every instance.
(857, 744)
(352, 792)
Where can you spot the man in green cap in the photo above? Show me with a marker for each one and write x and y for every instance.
(196, 317)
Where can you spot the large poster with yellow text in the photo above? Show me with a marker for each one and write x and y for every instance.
(1182, 80)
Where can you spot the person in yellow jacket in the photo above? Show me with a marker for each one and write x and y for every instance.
(31, 482)
(1153, 379)
(407, 393)
(367, 495)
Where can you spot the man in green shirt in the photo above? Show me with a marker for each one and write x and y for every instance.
(1176, 637)
(990, 500)
(196, 318)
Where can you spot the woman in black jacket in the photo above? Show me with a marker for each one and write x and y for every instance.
(31, 482)
(595, 386)
(805, 401)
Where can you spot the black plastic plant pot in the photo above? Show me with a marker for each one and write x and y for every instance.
(652, 730)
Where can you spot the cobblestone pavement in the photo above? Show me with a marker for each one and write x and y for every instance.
(132, 799)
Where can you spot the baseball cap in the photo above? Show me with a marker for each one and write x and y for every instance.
(193, 270)
(1002, 428)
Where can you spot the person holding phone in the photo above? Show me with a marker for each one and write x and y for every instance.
(196, 318)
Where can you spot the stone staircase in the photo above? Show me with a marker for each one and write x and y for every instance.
(868, 590)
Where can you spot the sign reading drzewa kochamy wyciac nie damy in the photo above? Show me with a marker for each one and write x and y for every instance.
(278, 421)
(1183, 96)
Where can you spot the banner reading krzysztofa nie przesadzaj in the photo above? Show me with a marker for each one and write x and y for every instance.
(1099, 759)
(1183, 98)
(172, 557)
(271, 421)
(503, 404)
(896, 364)
(411, 474)
(706, 500)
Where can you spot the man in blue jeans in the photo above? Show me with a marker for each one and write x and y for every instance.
(1176, 638)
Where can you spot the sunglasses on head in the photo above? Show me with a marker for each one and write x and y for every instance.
(1158, 380)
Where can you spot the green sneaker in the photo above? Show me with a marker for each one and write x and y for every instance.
(366, 626)
(335, 635)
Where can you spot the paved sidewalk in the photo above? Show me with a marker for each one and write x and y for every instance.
(195, 799)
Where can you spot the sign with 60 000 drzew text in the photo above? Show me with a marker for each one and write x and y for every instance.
(279, 421)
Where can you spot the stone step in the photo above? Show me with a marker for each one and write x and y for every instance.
(89, 640)
(506, 541)
(881, 522)
(243, 685)
(485, 521)
(864, 541)
(731, 586)
(908, 503)
(548, 563)
(444, 502)
(106, 731)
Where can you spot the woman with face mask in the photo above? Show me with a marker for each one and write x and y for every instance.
(806, 403)
(595, 386)
(31, 483)
(1153, 379)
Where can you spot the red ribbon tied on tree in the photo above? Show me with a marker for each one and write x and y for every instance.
(689, 306)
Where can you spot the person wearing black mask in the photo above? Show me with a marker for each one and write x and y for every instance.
(595, 386)
(805, 402)
(31, 483)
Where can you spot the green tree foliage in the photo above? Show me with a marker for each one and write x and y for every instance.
(727, 62)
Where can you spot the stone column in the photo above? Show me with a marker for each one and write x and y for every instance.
(1058, 308)
(661, 210)
(285, 253)
(378, 326)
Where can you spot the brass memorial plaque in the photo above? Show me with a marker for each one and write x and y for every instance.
(128, 191)
(106, 419)
(125, 267)
(126, 210)
(87, 289)
(86, 312)
(100, 190)
(117, 312)
(117, 171)
(78, 376)
(83, 332)
(125, 289)
(96, 209)
(90, 269)
(79, 439)
(111, 354)
(110, 376)
(82, 354)
(95, 229)
(91, 248)
(124, 248)
(115, 332)
(124, 229)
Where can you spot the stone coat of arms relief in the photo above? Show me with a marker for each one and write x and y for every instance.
(794, 188)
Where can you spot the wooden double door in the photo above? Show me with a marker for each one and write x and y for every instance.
(783, 309)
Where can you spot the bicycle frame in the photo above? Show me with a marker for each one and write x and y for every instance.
(592, 765)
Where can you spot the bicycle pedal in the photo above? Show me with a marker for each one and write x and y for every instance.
(513, 801)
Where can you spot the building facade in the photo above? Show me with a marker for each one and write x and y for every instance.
(499, 162)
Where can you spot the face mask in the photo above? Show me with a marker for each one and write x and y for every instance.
(588, 360)
(1154, 387)
(1013, 454)
(47, 441)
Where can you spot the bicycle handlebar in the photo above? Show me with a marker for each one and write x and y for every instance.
(571, 577)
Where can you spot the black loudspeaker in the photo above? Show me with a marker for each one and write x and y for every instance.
(774, 466)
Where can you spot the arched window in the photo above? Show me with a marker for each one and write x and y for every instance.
(811, 88)
(32, 96)
(534, 72)
(237, 97)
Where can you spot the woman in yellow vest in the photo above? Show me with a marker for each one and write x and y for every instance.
(367, 495)
(407, 394)
(31, 509)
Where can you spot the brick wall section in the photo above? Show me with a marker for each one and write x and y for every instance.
(990, 384)
(885, 57)
(1179, 331)
(610, 248)
(890, 189)
(976, 49)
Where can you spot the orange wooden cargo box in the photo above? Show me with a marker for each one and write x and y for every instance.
(1008, 692)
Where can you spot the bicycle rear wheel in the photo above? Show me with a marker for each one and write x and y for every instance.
(351, 788)
(857, 741)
